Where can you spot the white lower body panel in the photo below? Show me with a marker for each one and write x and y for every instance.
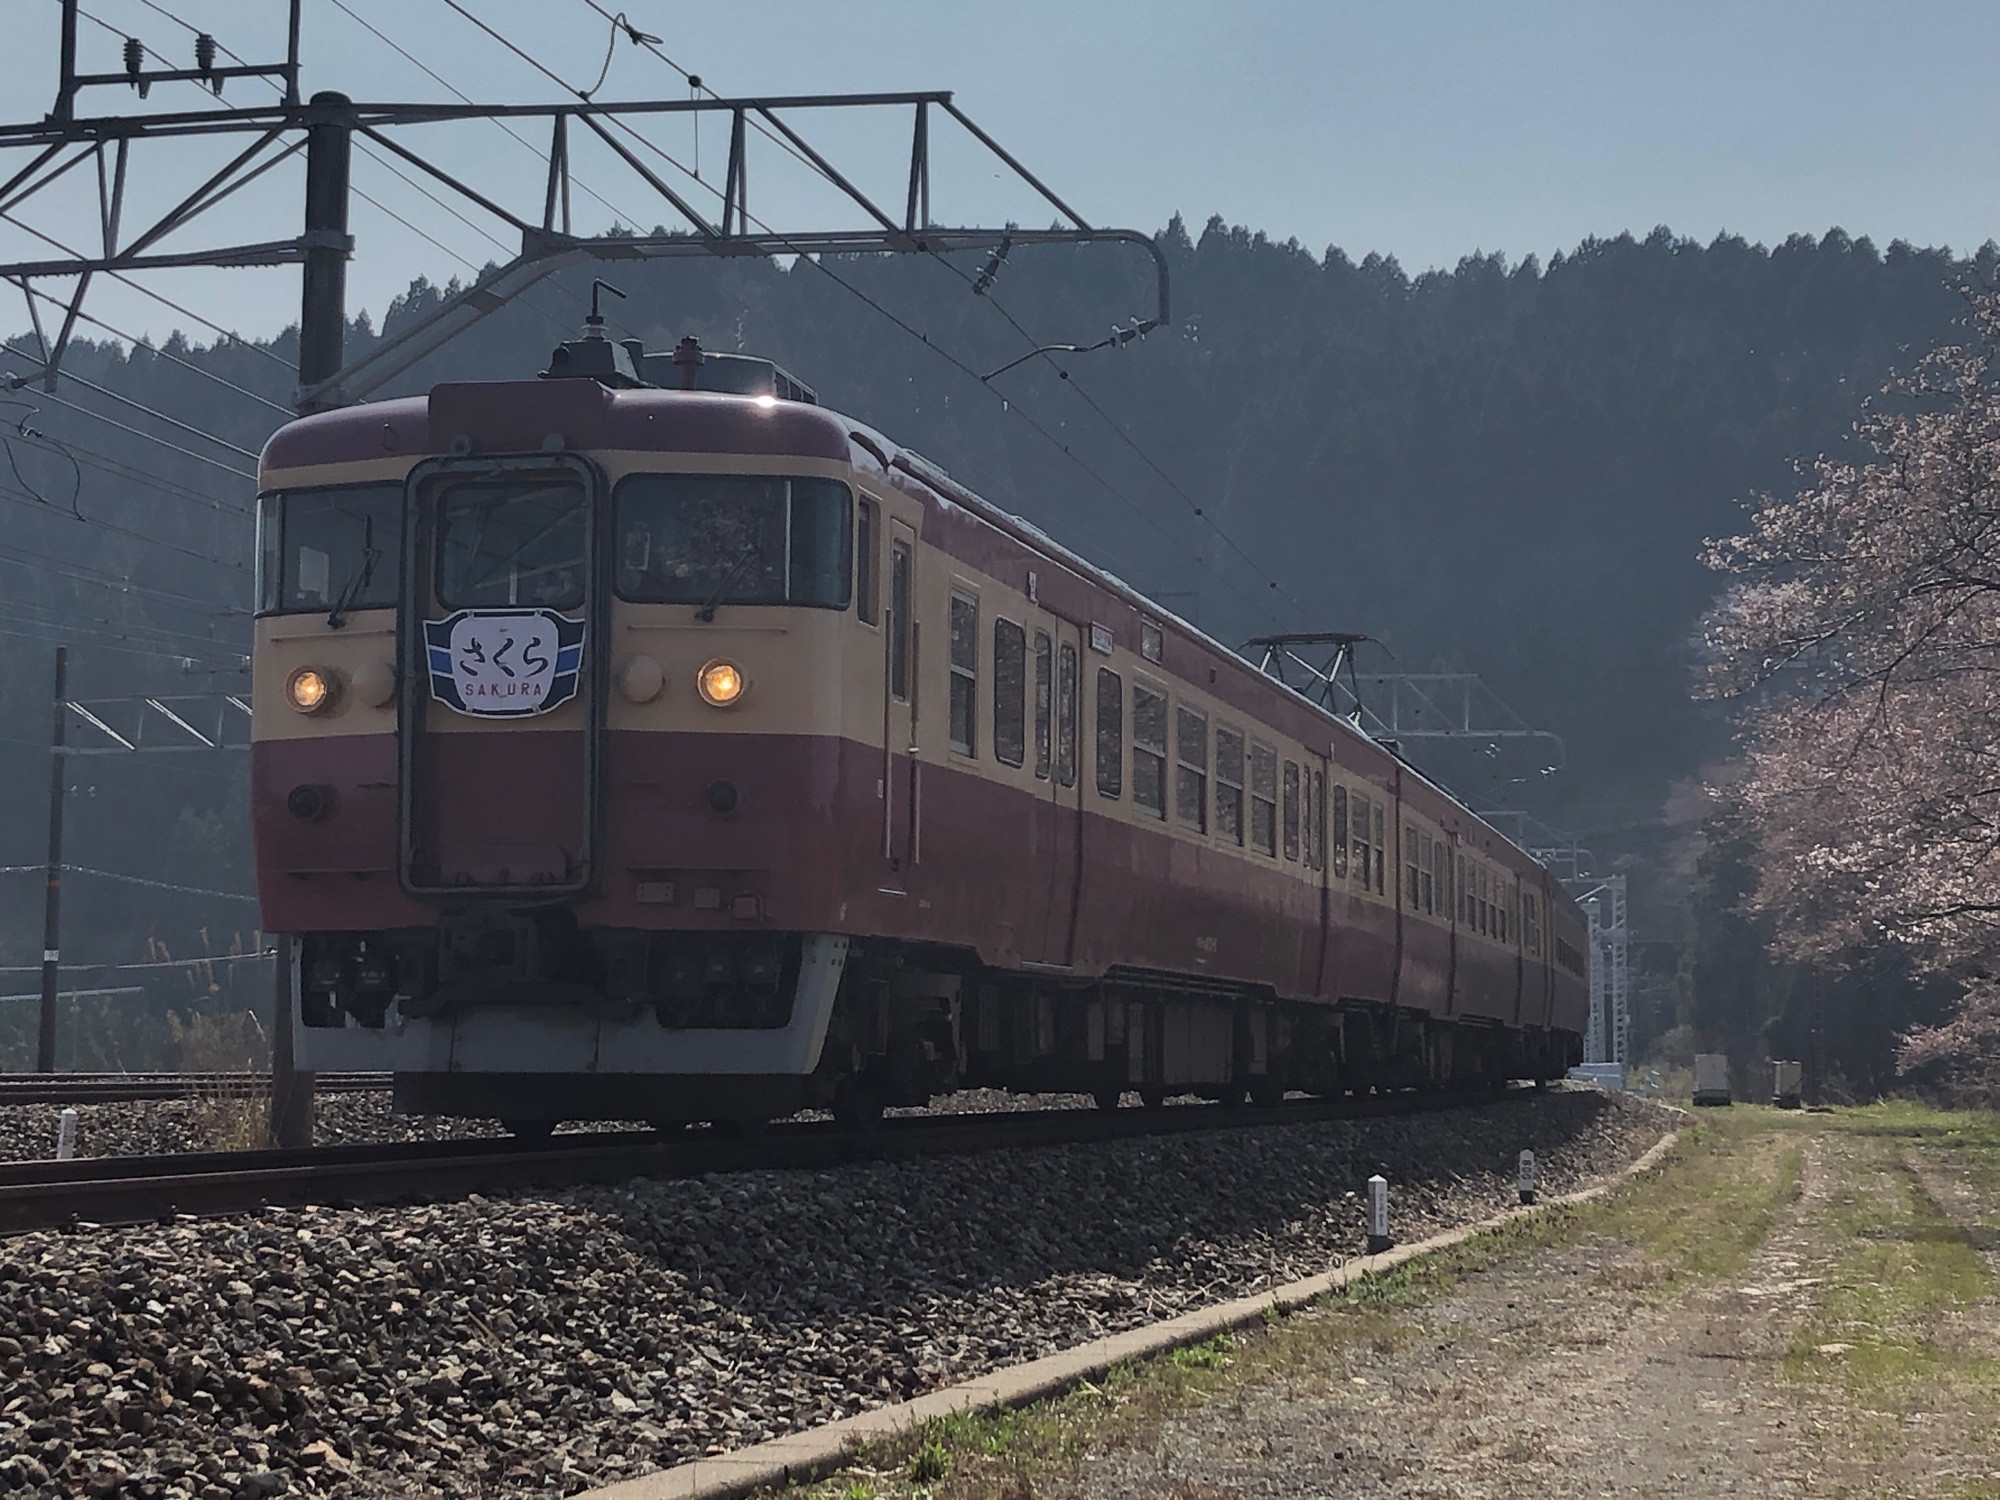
(552, 1039)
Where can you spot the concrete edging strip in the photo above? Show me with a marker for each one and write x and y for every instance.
(800, 1457)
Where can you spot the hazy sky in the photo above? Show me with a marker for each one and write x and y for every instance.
(1424, 130)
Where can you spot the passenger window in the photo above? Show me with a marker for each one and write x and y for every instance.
(899, 621)
(1440, 878)
(1412, 859)
(1291, 809)
(1264, 799)
(1427, 853)
(1340, 831)
(1149, 750)
(1229, 783)
(1381, 848)
(1315, 851)
(1066, 715)
(1044, 670)
(1110, 733)
(1191, 770)
(867, 524)
(964, 670)
(1010, 693)
(1361, 841)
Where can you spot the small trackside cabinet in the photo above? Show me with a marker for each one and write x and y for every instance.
(1785, 1084)
(1711, 1078)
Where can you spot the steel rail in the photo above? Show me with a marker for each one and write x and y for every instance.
(111, 1088)
(132, 1190)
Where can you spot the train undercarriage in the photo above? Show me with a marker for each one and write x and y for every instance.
(531, 1020)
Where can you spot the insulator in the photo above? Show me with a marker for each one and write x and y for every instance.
(204, 53)
(135, 57)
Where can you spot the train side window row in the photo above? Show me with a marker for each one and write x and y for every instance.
(1569, 958)
(1485, 902)
(1248, 801)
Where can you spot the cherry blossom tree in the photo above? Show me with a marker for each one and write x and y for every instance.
(1860, 636)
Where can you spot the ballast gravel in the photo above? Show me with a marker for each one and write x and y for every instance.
(159, 1127)
(540, 1343)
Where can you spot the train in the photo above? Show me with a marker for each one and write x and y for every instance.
(644, 740)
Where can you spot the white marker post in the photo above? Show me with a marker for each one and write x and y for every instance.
(1526, 1181)
(1378, 1214)
(66, 1134)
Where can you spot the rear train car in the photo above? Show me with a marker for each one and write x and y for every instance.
(691, 752)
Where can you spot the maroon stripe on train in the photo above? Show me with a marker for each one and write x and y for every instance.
(803, 850)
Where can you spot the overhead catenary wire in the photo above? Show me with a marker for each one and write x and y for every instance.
(1117, 428)
(139, 406)
(126, 427)
(230, 335)
(413, 183)
(465, 98)
(159, 353)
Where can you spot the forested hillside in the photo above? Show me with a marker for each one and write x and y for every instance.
(1507, 468)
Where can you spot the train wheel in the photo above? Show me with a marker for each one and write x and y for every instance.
(529, 1132)
(1232, 1096)
(1267, 1091)
(741, 1130)
(1108, 1096)
(1152, 1095)
(857, 1104)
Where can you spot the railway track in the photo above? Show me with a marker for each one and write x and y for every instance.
(134, 1189)
(111, 1088)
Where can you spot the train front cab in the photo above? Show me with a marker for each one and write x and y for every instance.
(553, 757)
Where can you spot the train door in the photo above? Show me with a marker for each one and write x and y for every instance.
(502, 639)
(1515, 890)
(1057, 668)
(902, 783)
(1452, 902)
(1321, 858)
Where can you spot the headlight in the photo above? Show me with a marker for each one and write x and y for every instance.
(720, 684)
(311, 690)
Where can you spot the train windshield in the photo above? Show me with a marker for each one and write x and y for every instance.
(329, 549)
(708, 539)
(503, 543)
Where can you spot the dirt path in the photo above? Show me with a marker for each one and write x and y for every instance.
(1842, 1347)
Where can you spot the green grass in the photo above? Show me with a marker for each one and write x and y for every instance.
(1900, 1273)
(1881, 1326)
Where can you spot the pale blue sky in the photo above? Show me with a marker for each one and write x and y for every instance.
(1422, 130)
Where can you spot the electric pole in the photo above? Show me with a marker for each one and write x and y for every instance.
(45, 1038)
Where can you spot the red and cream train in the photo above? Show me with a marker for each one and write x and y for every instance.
(687, 751)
